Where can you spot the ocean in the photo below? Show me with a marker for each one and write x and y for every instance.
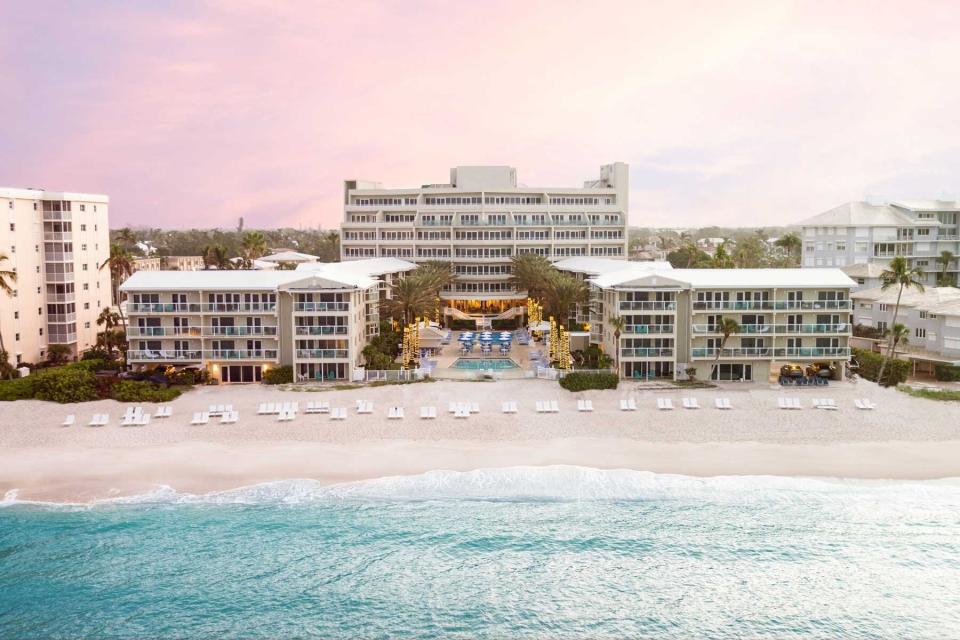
(559, 552)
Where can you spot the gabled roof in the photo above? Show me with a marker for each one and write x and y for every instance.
(864, 214)
(863, 270)
(289, 256)
(928, 205)
(929, 299)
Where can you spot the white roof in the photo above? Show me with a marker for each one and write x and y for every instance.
(864, 214)
(728, 278)
(41, 194)
(940, 300)
(358, 273)
(597, 266)
(290, 256)
(928, 205)
(863, 270)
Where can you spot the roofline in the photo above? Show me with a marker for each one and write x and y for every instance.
(42, 194)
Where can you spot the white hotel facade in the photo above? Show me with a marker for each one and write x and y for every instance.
(479, 220)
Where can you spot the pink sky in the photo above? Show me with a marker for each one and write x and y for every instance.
(196, 113)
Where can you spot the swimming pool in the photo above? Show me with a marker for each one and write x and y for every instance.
(486, 363)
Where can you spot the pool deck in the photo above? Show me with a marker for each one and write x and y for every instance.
(520, 354)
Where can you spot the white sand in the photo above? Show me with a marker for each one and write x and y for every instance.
(905, 438)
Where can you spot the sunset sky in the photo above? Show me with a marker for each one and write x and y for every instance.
(195, 113)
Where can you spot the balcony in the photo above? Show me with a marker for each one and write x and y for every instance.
(240, 331)
(648, 328)
(322, 330)
(240, 307)
(776, 305)
(812, 328)
(59, 277)
(63, 338)
(58, 236)
(646, 352)
(320, 306)
(240, 354)
(58, 256)
(163, 355)
(813, 352)
(322, 354)
(744, 328)
(743, 352)
(163, 307)
(648, 305)
(60, 318)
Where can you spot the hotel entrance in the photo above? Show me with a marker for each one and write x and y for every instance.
(649, 370)
(241, 373)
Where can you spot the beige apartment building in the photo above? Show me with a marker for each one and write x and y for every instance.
(238, 324)
(169, 263)
(56, 243)
(479, 220)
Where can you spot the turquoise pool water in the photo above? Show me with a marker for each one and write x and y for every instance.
(550, 552)
(487, 363)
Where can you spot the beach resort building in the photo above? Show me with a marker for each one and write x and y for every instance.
(55, 242)
(478, 221)
(864, 232)
(237, 324)
(932, 316)
(671, 317)
(169, 263)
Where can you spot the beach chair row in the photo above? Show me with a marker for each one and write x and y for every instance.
(666, 404)
(275, 408)
(828, 404)
(227, 417)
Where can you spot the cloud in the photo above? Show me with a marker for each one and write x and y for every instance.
(193, 114)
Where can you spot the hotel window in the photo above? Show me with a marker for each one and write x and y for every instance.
(83, 247)
(83, 227)
(84, 266)
(920, 332)
(883, 307)
(86, 305)
(13, 227)
(923, 232)
(923, 314)
(16, 337)
(16, 315)
(86, 287)
(841, 246)
(86, 325)
(83, 207)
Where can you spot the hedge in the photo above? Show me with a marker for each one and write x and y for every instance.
(278, 375)
(895, 373)
(132, 391)
(17, 389)
(946, 373)
(66, 384)
(583, 381)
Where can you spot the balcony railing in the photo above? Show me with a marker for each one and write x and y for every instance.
(60, 318)
(646, 352)
(165, 355)
(58, 256)
(63, 338)
(322, 330)
(134, 332)
(240, 354)
(59, 277)
(812, 352)
(322, 354)
(776, 305)
(812, 328)
(648, 328)
(648, 305)
(61, 297)
(163, 307)
(742, 352)
(321, 306)
(57, 236)
(240, 307)
(240, 331)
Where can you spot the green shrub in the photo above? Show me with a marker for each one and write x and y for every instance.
(17, 389)
(133, 391)
(895, 373)
(583, 381)
(946, 373)
(278, 375)
(184, 376)
(65, 384)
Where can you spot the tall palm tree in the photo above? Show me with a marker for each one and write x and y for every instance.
(126, 238)
(901, 275)
(530, 272)
(120, 264)
(215, 255)
(7, 277)
(435, 275)
(563, 294)
(721, 258)
(617, 323)
(252, 246)
(791, 243)
(408, 299)
(945, 260)
(108, 318)
(727, 327)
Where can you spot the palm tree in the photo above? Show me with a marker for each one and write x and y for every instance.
(6, 278)
(252, 246)
(215, 255)
(120, 263)
(791, 243)
(727, 327)
(126, 238)
(563, 293)
(435, 275)
(408, 299)
(108, 318)
(58, 353)
(899, 274)
(530, 272)
(945, 260)
(617, 323)
(722, 259)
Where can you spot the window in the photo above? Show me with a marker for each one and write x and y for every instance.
(16, 315)
(920, 332)
(86, 325)
(883, 307)
(841, 246)
(41, 331)
(13, 227)
(39, 311)
(84, 266)
(83, 207)
(16, 337)
(86, 305)
(83, 247)
(86, 286)
(83, 227)
(923, 314)
(923, 232)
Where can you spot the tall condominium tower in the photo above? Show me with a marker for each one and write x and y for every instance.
(55, 242)
(479, 220)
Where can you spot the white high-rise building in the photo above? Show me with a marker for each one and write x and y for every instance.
(479, 220)
(865, 233)
(56, 243)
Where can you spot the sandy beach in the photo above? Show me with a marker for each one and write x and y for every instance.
(904, 438)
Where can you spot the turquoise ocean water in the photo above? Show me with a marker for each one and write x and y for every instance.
(535, 552)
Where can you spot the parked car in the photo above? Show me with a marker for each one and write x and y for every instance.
(791, 370)
(822, 369)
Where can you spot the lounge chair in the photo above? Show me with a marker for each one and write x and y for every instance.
(473, 407)
(365, 407)
(864, 404)
(229, 417)
(624, 405)
(584, 405)
(463, 411)
(99, 420)
(690, 403)
(453, 407)
(338, 413)
(428, 413)
(130, 419)
(540, 407)
(509, 407)
(665, 404)
(825, 403)
(723, 403)
(784, 403)
(552, 406)
(262, 409)
(142, 420)
(200, 417)
(395, 413)
(68, 421)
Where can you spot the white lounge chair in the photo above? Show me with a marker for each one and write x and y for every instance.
(473, 407)
(825, 403)
(553, 407)
(68, 421)
(723, 403)
(691, 403)
(99, 420)
(365, 407)
(229, 417)
(427, 413)
(665, 404)
(338, 413)
(142, 420)
(624, 405)
(200, 417)
(784, 403)
(163, 411)
(864, 404)
(463, 411)
(509, 407)
(130, 419)
(262, 409)
(584, 405)
(395, 413)
(539, 406)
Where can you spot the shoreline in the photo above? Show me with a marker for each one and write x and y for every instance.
(905, 438)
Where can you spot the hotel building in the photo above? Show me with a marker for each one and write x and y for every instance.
(237, 324)
(862, 232)
(56, 243)
(479, 220)
(671, 317)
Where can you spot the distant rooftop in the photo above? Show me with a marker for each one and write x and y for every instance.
(42, 194)
(940, 300)
(723, 278)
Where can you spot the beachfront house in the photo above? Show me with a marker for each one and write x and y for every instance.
(238, 324)
(478, 221)
(672, 317)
